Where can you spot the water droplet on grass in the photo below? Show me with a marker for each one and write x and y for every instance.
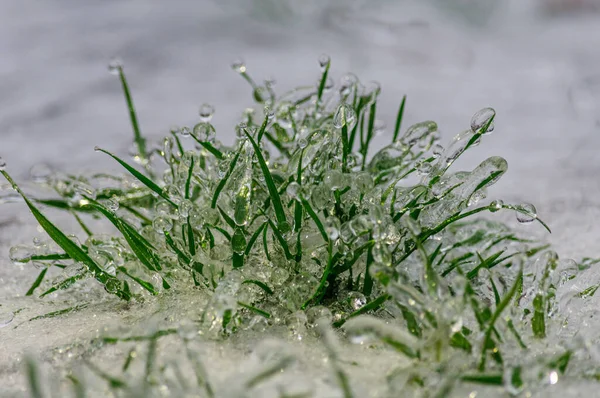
(424, 168)
(292, 190)
(239, 66)
(112, 285)
(204, 132)
(19, 254)
(363, 182)
(112, 204)
(269, 112)
(332, 228)
(481, 118)
(185, 132)
(418, 132)
(357, 300)
(496, 205)
(345, 114)
(530, 213)
(115, 66)
(206, 112)
(324, 59)
(162, 224)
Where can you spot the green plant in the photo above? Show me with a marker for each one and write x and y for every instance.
(299, 223)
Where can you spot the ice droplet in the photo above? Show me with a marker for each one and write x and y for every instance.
(206, 112)
(363, 182)
(19, 254)
(324, 59)
(239, 66)
(418, 132)
(292, 190)
(185, 131)
(345, 115)
(496, 205)
(437, 151)
(481, 118)
(112, 204)
(424, 168)
(526, 213)
(2, 164)
(6, 318)
(162, 224)
(332, 228)
(115, 66)
(112, 285)
(204, 132)
(269, 112)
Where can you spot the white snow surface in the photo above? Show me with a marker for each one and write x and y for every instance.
(57, 102)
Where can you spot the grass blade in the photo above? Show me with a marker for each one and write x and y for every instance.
(225, 178)
(70, 248)
(260, 284)
(282, 241)
(273, 193)
(315, 218)
(142, 178)
(399, 118)
(209, 147)
(37, 282)
(257, 311)
(499, 308)
(139, 140)
(254, 238)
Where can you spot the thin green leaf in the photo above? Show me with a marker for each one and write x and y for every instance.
(372, 305)
(225, 178)
(257, 311)
(282, 241)
(260, 284)
(142, 178)
(37, 282)
(315, 218)
(188, 182)
(139, 140)
(254, 238)
(209, 147)
(146, 285)
(399, 118)
(74, 251)
(273, 193)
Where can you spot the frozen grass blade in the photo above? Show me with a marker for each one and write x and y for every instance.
(487, 339)
(225, 178)
(255, 310)
(399, 119)
(273, 193)
(74, 251)
(209, 147)
(142, 178)
(139, 140)
(64, 311)
(37, 282)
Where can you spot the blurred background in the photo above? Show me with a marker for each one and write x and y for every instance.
(535, 61)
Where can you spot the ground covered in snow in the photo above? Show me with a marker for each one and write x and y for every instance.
(540, 71)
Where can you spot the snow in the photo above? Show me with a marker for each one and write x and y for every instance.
(536, 69)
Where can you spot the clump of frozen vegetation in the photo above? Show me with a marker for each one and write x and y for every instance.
(299, 226)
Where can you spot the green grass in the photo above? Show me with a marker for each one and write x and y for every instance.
(310, 219)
